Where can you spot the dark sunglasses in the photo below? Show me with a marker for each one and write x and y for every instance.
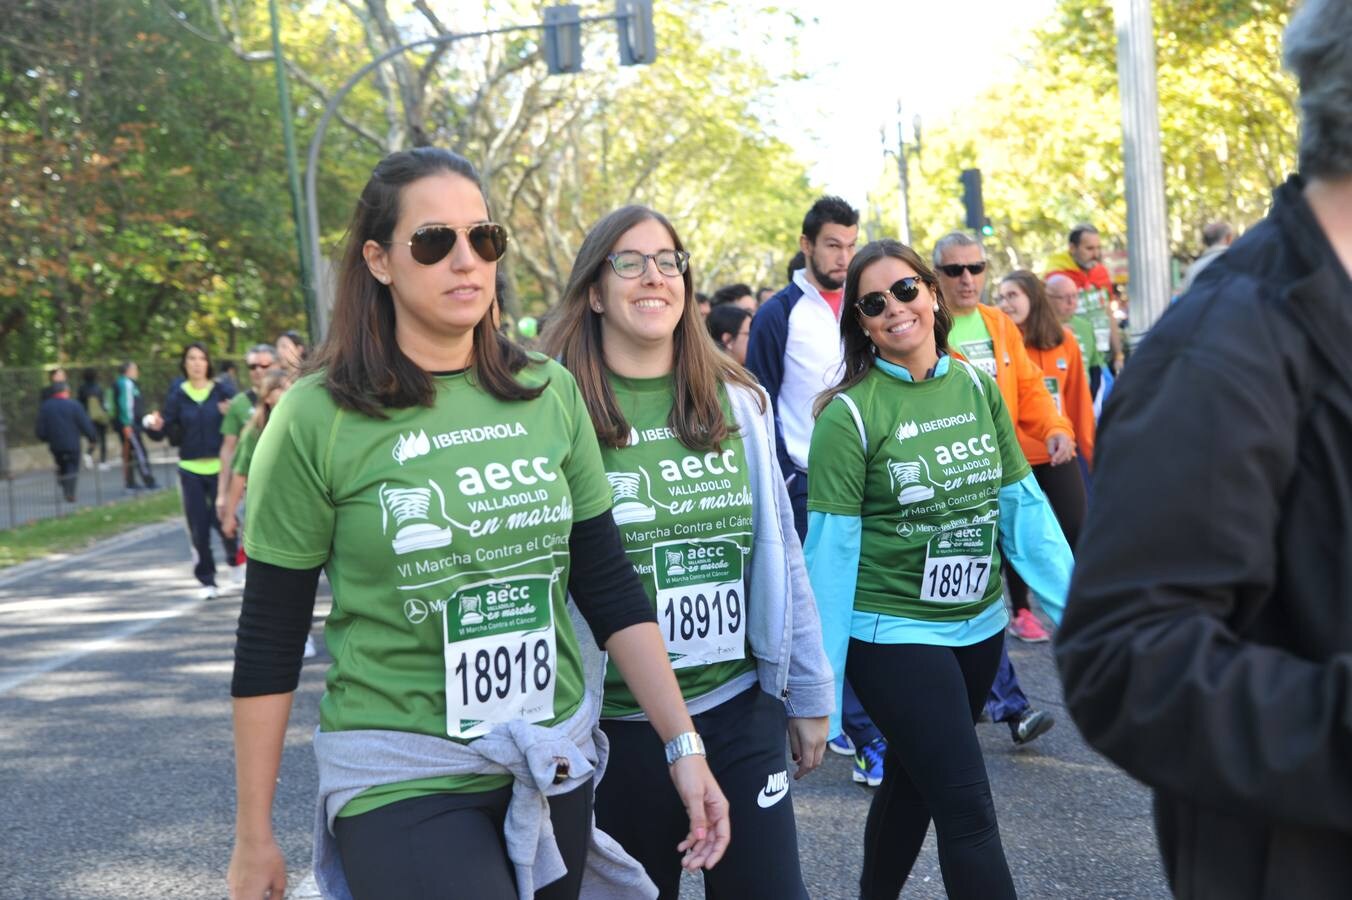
(954, 270)
(253, 367)
(904, 289)
(431, 243)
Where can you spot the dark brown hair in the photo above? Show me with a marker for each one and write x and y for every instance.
(364, 369)
(183, 359)
(1042, 330)
(574, 337)
(859, 350)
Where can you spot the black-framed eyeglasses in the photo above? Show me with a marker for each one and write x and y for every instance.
(904, 289)
(430, 244)
(632, 264)
(955, 270)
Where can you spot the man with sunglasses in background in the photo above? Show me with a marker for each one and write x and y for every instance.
(796, 353)
(259, 359)
(991, 341)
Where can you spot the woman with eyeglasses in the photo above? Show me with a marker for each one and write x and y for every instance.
(687, 439)
(1053, 348)
(451, 487)
(917, 483)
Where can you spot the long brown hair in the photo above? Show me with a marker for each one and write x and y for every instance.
(364, 369)
(859, 350)
(574, 336)
(1042, 330)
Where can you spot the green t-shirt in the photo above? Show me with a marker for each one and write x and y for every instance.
(1083, 330)
(970, 337)
(210, 465)
(237, 414)
(244, 451)
(444, 534)
(685, 516)
(1094, 306)
(926, 489)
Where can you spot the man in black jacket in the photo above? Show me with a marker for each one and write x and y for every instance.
(1207, 644)
(61, 421)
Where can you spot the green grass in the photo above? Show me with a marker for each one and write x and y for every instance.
(82, 528)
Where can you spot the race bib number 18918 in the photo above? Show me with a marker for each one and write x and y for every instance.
(500, 655)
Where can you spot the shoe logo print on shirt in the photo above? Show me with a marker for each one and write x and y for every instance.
(411, 510)
(776, 787)
(411, 446)
(627, 507)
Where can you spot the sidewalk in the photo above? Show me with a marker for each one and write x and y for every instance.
(33, 496)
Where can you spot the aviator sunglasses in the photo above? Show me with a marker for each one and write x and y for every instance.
(431, 243)
(954, 270)
(904, 289)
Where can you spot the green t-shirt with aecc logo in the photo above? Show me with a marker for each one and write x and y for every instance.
(970, 337)
(237, 414)
(1094, 306)
(444, 534)
(1083, 329)
(685, 516)
(926, 489)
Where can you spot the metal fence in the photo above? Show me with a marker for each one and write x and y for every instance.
(31, 496)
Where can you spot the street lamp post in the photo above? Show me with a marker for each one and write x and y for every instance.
(637, 46)
(905, 149)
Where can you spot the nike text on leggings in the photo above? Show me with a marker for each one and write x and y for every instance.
(745, 739)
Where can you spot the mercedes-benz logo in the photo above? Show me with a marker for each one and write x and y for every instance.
(415, 610)
(905, 529)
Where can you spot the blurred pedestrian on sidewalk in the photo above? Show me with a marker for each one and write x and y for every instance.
(127, 415)
(61, 422)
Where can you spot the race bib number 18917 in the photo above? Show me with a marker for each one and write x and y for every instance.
(500, 655)
(958, 564)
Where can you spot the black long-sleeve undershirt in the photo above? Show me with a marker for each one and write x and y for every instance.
(279, 605)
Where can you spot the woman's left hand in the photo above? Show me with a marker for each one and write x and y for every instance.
(1061, 448)
(807, 743)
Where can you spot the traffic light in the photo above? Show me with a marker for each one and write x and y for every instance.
(638, 42)
(563, 39)
(971, 200)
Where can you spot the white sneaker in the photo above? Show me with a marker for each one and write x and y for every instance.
(233, 580)
(209, 592)
(88, 461)
(310, 650)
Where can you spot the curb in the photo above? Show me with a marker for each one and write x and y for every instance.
(56, 561)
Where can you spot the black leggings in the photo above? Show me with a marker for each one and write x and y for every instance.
(451, 845)
(745, 739)
(1064, 487)
(925, 700)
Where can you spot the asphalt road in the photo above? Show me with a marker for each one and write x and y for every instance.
(116, 760)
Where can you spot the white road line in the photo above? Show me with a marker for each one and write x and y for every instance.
(79, 651)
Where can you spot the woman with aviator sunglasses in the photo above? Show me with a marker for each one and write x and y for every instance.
(918, 481)
(687, 438)
(451, 487)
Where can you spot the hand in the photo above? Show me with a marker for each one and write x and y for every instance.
(223, 406)
(1061, 447)
(807, 743)
(228, 523)
(710, 829)
(257, 871)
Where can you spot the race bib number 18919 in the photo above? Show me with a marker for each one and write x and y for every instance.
(701, 601)
(500, 655)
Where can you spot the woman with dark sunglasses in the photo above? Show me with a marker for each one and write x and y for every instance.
(451, 487)
(687, 438)
(917, 483)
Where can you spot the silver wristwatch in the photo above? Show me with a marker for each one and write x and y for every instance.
(686, 744)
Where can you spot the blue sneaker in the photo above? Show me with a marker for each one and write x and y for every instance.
(868, 763)
(841, 744)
